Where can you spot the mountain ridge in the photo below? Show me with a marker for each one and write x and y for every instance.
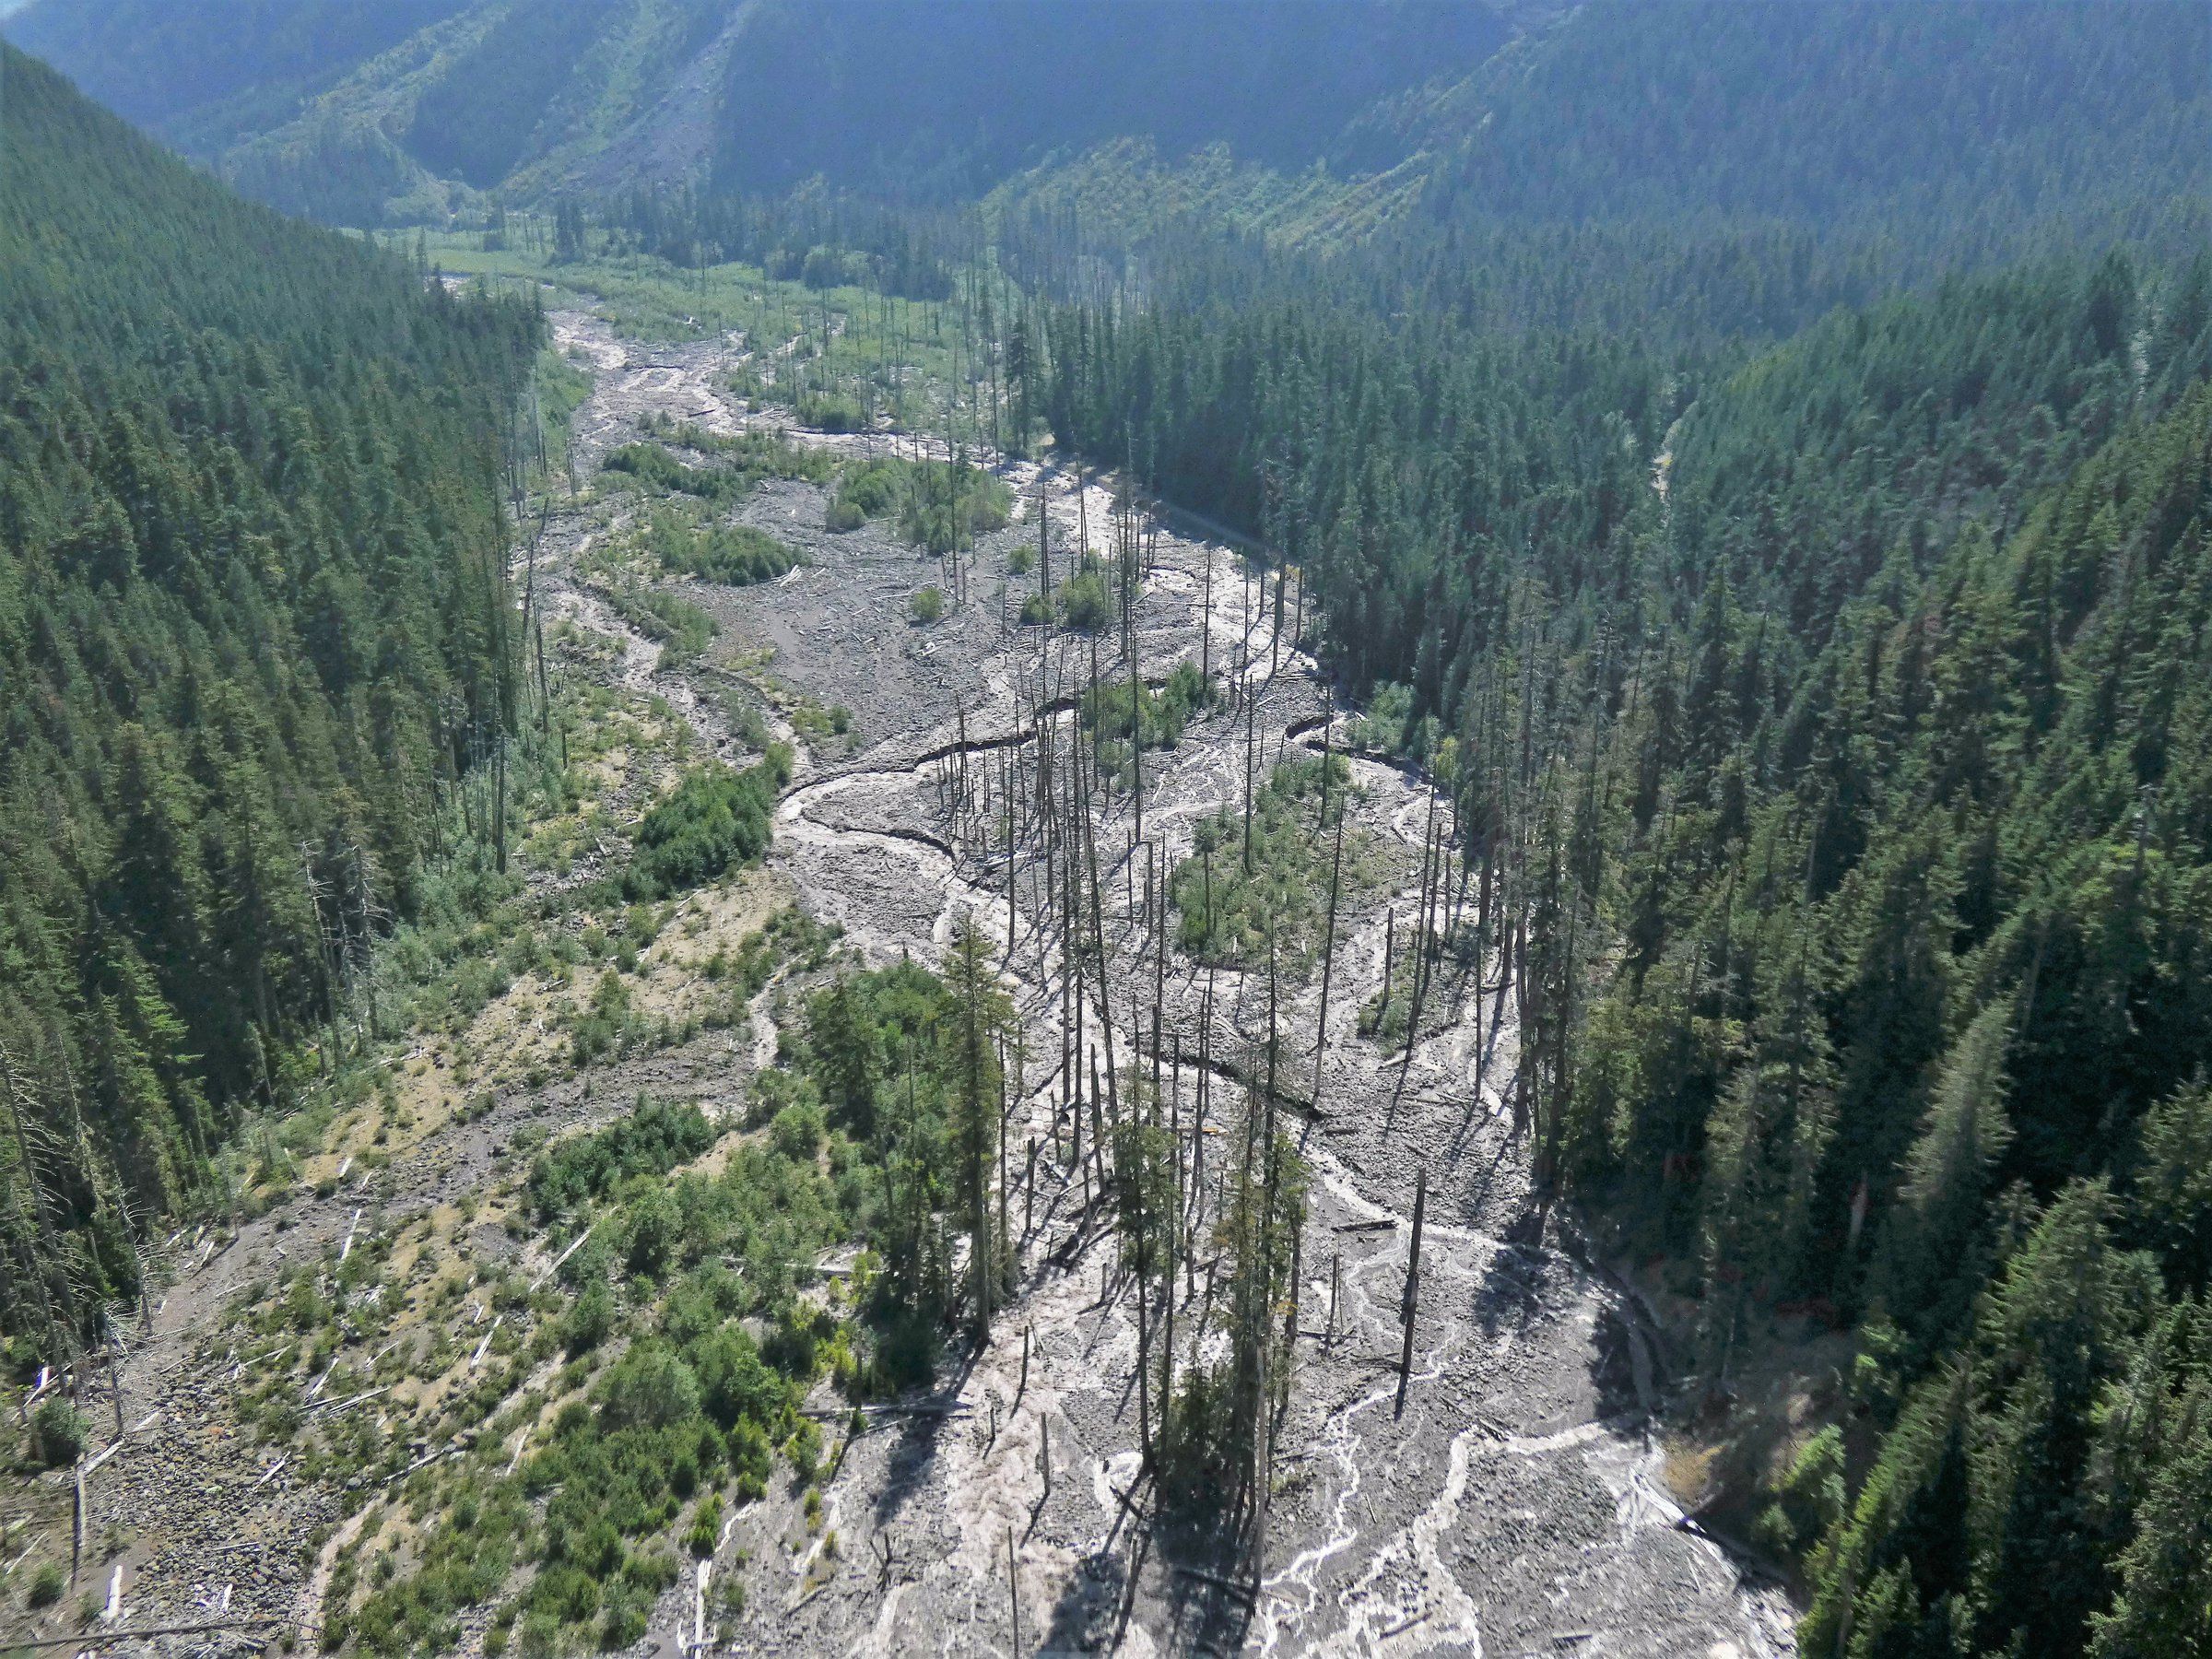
(485, 96)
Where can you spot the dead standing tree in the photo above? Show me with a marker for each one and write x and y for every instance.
(984, 1014)
(1410, 1305)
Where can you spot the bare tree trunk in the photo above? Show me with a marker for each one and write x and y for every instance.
(1328, 951)
(1413, 1287)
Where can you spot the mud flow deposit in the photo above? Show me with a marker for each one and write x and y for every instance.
(1514, 1506)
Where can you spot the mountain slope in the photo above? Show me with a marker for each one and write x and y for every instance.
(1976, 127)
(1980, 112)
(1917, 136)
(252, 612)
(203, 81)
(1843, 810)
(335, 109)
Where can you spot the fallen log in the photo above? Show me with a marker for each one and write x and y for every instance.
(90, 1638)
(558, 1260)
(926, 1409)
(424, 1462)
(1233, 1586)
(350, 1399)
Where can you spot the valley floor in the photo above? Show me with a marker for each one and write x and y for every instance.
(1516, 1507)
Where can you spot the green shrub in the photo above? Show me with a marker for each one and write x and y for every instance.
(906, 1351)
(805, 1449)
(649, 465)
(624, 1624)
(752, 455)
(1388, 726)
(928, 606)
(1234, 904)
(716, 818)
(831, 412)
(1808, 1498)
(605, 1024)
(540, 1637)
(1082, 600)
(683, 630)
(940, 505)
(653, 1232)
(796, 1132)
(654, 1138)
(1164, 712)
(735, 555)
(706, 1526)
(874, 488)
(591, 1320)
(57, 1433)
(951, 503)
(46, 1585)
(649, 1387)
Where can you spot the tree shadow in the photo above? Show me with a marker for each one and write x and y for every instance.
(906, 1467)
(1613, 1366)
(1089, 1605)
(907, 1464)
(1196, 1570)
(1511, 1291)
(1459, 1145)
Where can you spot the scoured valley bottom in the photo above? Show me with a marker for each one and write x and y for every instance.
(1516, 1505)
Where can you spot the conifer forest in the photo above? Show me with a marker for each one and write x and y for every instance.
(1038, 827)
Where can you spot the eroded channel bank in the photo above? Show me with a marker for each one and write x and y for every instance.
(1518, 1504)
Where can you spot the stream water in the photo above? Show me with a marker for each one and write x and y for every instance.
(1518, 1503)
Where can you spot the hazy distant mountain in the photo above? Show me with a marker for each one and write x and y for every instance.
(1960, 121)
(345, 107)
(1824, 112)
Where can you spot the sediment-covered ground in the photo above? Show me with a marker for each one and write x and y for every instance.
(1517, 1504)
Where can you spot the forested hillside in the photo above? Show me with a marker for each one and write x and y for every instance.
(1909, 135)
(1733, 479)
(204, 78)
(1983, 119)
(880, 95)
(352, 111)
(253, 624)
(1836, 732)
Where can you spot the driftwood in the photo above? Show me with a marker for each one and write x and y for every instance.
(116, 1444)
(91, 1639)
(1233, 1586)
(424, 1462)
(923, 1408)
(239, 1366)
(558, 1260)
(351, 1399)
(484, 1347)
